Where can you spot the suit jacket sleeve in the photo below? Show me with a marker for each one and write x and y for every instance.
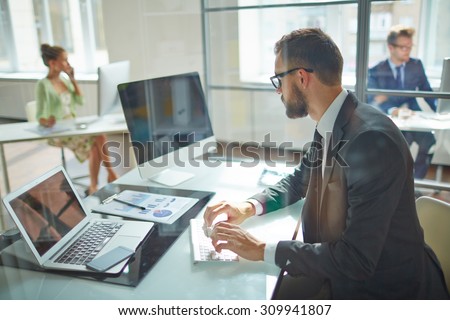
(372, 84)
(288, 190)
(373, 178)
(424, 85)
(377, 80)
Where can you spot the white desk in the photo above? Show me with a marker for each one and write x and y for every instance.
(26, 131)
(175, 276)
(421, 121)
(426, 122)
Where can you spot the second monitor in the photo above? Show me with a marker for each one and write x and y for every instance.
(169, 125)
(109, 76)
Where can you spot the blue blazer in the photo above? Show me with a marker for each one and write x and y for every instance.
(381, 77)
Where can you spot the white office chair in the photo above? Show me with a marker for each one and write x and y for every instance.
(30, 109)
(434, 216)
(441, 156)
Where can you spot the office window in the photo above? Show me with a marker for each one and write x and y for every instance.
(76, 25)
(98, 30)
(242, 37)
(221, 4)
(260, 29)
(241, 34)
(6, 51)
(430, 40)
(53, 22)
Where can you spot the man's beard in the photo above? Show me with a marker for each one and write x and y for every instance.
(298, 106)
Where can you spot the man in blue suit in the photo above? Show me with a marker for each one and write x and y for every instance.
(401, 72)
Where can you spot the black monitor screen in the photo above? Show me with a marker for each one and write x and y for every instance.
(164, 114)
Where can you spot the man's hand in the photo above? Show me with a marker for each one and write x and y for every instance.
(236, 213)
(234, 238)
(379, 99)
(394, 112)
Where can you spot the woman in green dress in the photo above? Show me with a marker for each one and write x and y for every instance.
(56, 99)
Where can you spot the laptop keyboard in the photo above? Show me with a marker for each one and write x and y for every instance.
(202, 247)
(90, 243)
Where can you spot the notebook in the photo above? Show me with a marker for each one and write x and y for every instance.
(52, 218)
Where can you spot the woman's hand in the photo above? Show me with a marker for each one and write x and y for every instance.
(48, 123)
(70, 72)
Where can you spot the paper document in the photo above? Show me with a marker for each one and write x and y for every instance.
(60, 126)
(146, 206)
(271, 175)
(435, 116)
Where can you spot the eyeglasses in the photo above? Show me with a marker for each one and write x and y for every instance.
(276, 79)
(403, 48)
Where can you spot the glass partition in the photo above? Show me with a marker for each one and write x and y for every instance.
(240, 41)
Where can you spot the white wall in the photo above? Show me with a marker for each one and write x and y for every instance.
(158, 37)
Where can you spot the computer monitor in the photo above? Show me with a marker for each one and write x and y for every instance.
(109, 76)
(443, 105)
(441, 154)
(169, 125)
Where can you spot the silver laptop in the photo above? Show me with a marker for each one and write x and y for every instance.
(58, 229)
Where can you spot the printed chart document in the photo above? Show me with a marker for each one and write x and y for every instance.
(146, 206)
(271, 175)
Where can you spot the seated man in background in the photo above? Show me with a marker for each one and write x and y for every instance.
(401, 72)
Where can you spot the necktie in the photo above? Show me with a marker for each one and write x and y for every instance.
(317, 152)
(314, 161)
(399, 77)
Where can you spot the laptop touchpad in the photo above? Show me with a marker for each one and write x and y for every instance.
(130, 242)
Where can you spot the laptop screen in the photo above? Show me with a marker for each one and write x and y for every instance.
(48, 211)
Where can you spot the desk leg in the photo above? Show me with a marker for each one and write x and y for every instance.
(4, 169)
(4, 188)
(439, 172)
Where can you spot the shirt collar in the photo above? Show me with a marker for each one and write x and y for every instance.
(326, 122)
(393, 65)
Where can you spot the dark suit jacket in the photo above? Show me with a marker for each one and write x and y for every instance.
(360, 229)
(381, 77)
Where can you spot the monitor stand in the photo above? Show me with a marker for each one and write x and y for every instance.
(171, 177)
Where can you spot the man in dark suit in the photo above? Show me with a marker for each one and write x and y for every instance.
(401, 72)
(361, 235)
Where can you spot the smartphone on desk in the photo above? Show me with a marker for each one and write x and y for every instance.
(109, 259)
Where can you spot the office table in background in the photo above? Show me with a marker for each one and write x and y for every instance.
(440, 125)
(27, 131)
(425, 122)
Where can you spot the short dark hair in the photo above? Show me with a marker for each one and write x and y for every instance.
(49, 52)
(399, 31)
(312, 48)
